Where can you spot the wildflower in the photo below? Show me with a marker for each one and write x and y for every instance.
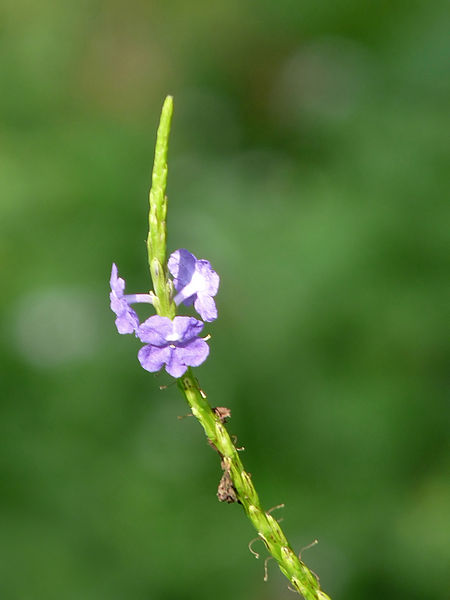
(127, 320)
(195, 281)
(173, 343)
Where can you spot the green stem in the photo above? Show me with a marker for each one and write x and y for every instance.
(269, 530)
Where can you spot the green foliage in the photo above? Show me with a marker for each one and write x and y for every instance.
(310, 156)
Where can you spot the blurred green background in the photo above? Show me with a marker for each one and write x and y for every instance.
(307, 163)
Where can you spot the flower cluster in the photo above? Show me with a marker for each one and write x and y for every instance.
(171, 343)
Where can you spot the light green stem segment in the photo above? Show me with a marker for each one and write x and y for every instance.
(301, 578)
(156, 241)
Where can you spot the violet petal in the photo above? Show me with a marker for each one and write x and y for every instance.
(127, 320)
(181, 265)
(195, 281)
(153, 358)
(155, 330)
(193, 354)
(175, 366)
(187, 328)
(206, 307)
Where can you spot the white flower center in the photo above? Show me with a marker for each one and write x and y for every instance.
(197, 281)
(172, 337)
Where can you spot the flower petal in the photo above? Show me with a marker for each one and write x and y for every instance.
(117, 283)
(186, 328)
(175, 366)
(193, 354)
(210, 278)
(118, 305)
(127, 322)
(195, 281)
(155, 330)
(181, 265)
(206, 307)
(153, 358)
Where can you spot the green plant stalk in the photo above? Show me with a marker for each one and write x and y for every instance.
(157, 233)
(269, 530)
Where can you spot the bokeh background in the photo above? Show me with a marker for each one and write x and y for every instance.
(307, 163)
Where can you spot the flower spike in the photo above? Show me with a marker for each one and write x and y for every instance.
(173, 342)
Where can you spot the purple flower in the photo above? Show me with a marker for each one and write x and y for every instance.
(195, 281)
(127, 320)
(171, 343)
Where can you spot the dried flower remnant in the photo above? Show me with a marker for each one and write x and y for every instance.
(195, 281)
(171, 343)
(223, 413)
(226, 492)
